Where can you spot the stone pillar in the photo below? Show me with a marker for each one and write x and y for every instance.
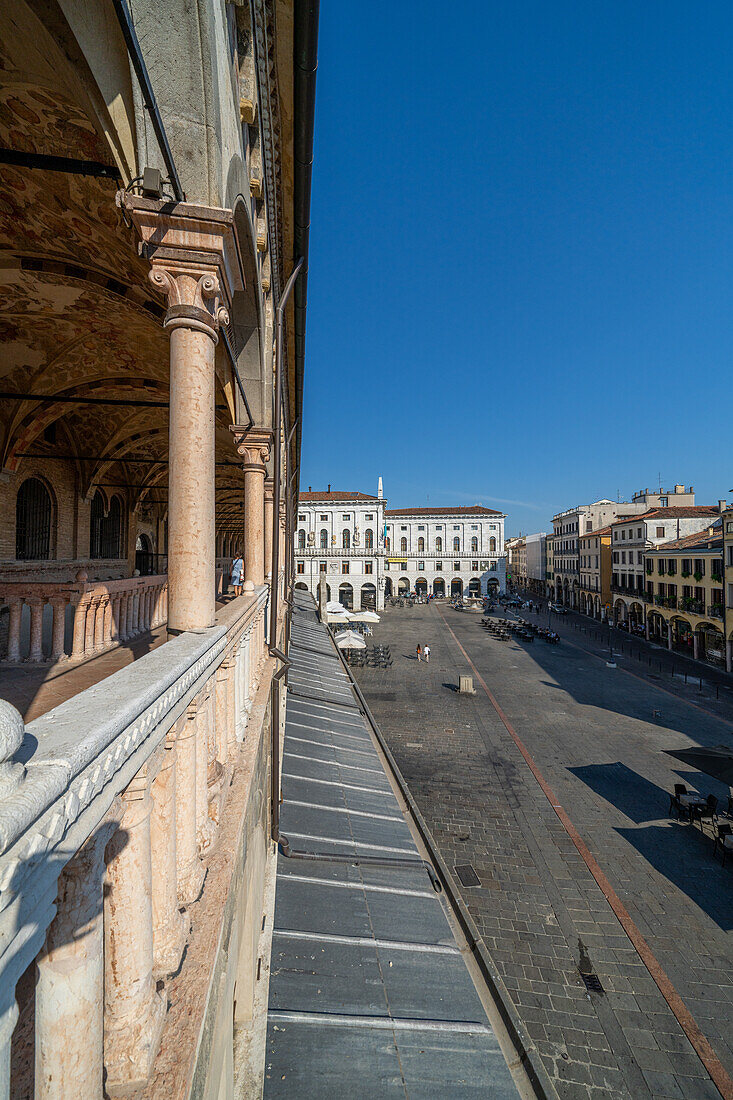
(58, 603)
(205, 827)
(254, 446)
(15, 605)
(669, 633)
(80, 619)
(646, 628)
(192, 319)
(99, 623)
(134, 1009)
(190, 872)
(695, 644)
(36, 608)
(729, 655)
(69, 1014)
(90, 625)
(231, 707)
(269, 505)
(170, 926)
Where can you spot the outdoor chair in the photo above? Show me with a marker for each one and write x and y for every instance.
(674, 799)
(706, 812)
(723, 840)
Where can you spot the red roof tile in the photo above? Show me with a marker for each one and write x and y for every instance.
(467, 510)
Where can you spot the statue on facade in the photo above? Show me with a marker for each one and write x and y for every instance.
(311, 538)
(356, 535)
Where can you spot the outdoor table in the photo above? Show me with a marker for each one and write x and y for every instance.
(690, 800)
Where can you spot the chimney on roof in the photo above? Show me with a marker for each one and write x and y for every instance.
(679, 488)
(310, 490)
(722, 505)
(380, 490)
(329, 486)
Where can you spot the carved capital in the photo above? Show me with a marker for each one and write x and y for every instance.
(194, 300)
(253, 444)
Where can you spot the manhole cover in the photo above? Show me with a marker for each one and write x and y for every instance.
(592, 983)
(450, 731)
(467, 875)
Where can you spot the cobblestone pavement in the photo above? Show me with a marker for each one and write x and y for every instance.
(542, 914)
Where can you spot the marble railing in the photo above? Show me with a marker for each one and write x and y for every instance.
(75, 620)
(110, 806)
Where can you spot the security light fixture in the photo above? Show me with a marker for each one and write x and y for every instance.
(152, 183)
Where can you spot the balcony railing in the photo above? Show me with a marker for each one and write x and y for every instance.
(110, 806)
(715, 611)
(340, 552)
(412, 555)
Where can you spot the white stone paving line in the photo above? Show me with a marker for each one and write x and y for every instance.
(339, 884)
(336, 783)
(354, 844)
(367, 941)
(332, 763)
(343, 810)
(332, 733)
(381, 1023)
(326, 745)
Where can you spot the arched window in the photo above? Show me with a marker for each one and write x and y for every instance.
(421, 545)
(492, 543)
(33, 518)
(301, 539)
(105, 532)
(474, 545)
(324, 538)
(439, 544)
(456, 543)
(368, 539)
(386, 543)
(403, 545)
(346, 539)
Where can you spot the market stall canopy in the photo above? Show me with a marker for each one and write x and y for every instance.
(348, 639)
(365, 616)
(341, 617)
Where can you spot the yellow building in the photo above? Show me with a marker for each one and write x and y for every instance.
(595, 573)
(684, 595)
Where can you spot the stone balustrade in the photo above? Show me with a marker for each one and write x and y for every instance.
(76, 620)
(110, 807)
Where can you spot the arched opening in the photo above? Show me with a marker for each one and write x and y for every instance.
(105, 531)
(328, 591)
(682, 636)
(474, 587)
(711, 644)
(403, 545)
(474, 545)
(421, 545)
(346, 539)
(558, 590)
(492, 544)
(439, 587)
(144, 562)
(583, 605)
(403, 586)
(619, 612)
(421, 586)
(346, 595)
(456, 587)
(387, 543)
(456, 543)
(301, 586)
(636, 615)
(324, 539)
(301, 539)
(33, 521)
(368, 597)
(439, 545)
(368, 539)
(387, 588)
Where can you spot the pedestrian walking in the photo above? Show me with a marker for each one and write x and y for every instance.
(236, 577)
(419, 652)
(427, 654)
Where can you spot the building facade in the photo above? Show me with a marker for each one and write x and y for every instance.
(633, 537)
(370, 553)
(154, 190)
(595, 573)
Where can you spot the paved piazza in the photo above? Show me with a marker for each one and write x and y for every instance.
(591, 733)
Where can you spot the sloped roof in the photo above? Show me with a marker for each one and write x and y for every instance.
(333, 495)
(467, 510)
(698, 540)
(676, 512)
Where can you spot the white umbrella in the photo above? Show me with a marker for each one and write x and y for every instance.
(347, 639)
(365, 616)
(334, 605)
(339, 617)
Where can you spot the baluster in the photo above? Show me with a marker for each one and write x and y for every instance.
(108, 622)
(58, 603)
(91, 625)
(35, 603)
(170, 926)
(205, 827)
(232, 708)
(123, 630)
(80, 619)
(190, 872)
(69, 1047)
(134, 1009)
(15, 605)
(221, 739)
(99, 619)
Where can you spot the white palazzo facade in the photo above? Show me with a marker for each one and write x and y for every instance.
(368, 552)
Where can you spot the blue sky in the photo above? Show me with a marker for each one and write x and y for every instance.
(521, 273)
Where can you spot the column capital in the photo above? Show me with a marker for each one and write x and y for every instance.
(194, 257)
(253, 444)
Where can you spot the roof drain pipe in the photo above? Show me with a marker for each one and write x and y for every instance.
(279, 675)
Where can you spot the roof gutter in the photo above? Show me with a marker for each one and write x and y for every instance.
(306, 63)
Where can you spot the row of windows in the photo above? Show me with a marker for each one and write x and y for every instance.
(639, 557)
(322, 568)
(369, 542)
(438, 565)
(324, 541)
(35, 524)
(688, 567)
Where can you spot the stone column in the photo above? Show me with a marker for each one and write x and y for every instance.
(669, 633)
(729, 656)
(36, 608)
(269, 505)
(695, 644)
(15, 605)
(80, 620)
(99, 623)
(69, 1015)
(170, 926)
(134, 1009)
(205, 827)
(192, 319)
(232, 706)
(190, 872)
(90, 625)
(254, 446)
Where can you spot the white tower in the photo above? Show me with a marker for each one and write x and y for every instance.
(380, 490)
